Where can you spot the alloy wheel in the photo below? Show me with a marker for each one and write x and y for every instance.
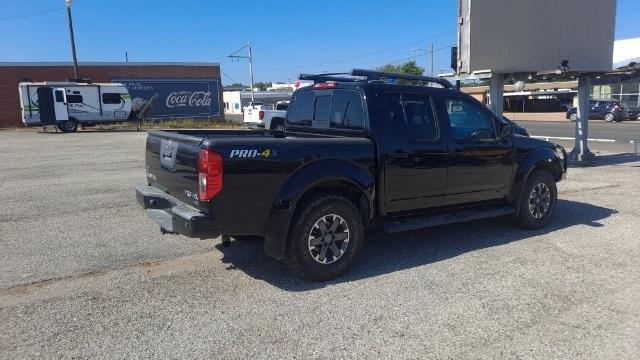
(539, 200)
(328, 239)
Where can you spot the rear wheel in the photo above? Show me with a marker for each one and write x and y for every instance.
(573, 117)
(68, 126)
(608, 117)
(278, 126)
(538, 202)
(325, 239)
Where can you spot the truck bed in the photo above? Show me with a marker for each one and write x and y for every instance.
(259, 169)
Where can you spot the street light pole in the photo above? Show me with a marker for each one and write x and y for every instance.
(68, 3)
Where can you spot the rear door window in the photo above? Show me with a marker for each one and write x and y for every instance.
(413, 115)
(347, 111)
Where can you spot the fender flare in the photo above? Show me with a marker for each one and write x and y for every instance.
(540, 158)
(300, 183)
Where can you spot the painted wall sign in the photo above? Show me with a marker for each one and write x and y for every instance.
(169, 98)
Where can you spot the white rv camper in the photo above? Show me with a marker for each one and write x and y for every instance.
(69, 104)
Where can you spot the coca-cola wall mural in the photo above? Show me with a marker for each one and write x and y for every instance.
(163, 98)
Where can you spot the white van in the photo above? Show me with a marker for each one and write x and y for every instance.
(69, 104)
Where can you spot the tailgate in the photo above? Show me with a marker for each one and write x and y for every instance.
(172, 164)
(252, 116)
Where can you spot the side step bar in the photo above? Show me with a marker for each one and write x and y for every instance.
(449, 218)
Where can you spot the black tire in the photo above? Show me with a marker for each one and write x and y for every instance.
(69, 126)
(608, 117)
(573, 117)
(278, 126)
(532, 213)
(305, 258)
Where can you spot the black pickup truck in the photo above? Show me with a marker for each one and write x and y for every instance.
(360, 150)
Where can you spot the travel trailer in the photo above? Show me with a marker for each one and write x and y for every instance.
(69, 104)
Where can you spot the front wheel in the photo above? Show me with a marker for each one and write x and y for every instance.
(573, 117)
(608, 117)
(325, 239)
(538, 200)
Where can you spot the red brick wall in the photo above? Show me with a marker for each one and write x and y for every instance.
(10, 76)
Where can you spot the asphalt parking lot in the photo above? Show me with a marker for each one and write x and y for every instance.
(84, 274)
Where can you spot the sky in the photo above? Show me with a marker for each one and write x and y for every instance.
(288, 37)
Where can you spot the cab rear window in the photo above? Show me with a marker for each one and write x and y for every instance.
(335, 109)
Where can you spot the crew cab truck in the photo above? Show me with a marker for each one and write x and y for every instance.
(358, 152)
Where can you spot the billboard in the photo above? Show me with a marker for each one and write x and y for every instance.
(173, 98)
(507, 36)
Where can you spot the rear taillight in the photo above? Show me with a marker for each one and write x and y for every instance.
(209, 174)
(261, 115)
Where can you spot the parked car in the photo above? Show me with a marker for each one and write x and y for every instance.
(566, 105)
(634, 113)
(607, 110)
(267, 119)
(357, 153)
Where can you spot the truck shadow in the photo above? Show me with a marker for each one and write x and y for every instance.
(616, 159)
(385, 253)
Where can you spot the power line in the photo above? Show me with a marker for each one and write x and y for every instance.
(225, 74)
(421, 54)
(31, 15)
(329, 27)
(328, 62)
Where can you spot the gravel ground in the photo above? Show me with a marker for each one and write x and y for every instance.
(84, 274)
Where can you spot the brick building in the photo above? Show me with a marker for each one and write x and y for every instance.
(13, 73)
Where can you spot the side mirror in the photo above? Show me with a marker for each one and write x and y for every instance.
(506, 130)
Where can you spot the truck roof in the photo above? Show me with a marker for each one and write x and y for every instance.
(357, 77)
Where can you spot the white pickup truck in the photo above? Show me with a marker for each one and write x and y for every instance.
(258, 116)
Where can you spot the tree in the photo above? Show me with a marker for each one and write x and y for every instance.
(260, 86)
(409, 67)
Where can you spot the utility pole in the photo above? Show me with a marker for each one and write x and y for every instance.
(126, 56)
(251, 71)
(429, 54)
(431, 59)
(235, 55)
(68, 3)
